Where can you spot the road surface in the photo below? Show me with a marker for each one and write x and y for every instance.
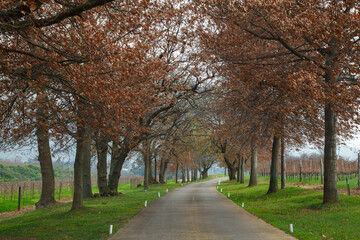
(197, 212)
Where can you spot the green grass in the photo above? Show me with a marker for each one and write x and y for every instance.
(91, 222)
(28, 198)
(301, 207)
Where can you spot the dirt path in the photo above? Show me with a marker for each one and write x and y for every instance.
(197, 211)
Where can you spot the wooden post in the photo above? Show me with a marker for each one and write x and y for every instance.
(19, 198)
(348, 187)
(33, 190)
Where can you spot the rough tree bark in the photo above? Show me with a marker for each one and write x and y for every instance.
(239, 168)
(78, 169)
(163, 167)
(47, 197)
(273, 186)
(183, 174)
(188, 174)
(253, 171)
(177, 173)
(118, 156)
(102, 150)
(242, 175)
(231, 168)
(87, 191)
(283, 164)
(330, 184)
(330, 187)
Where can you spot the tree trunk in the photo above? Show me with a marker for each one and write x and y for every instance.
(155, 170)
(147, 163)
(177, 173)
(253, 171)
(87, 191)
(283, 164)
(232, 173)
(183, 174)
(102, 150)
(273, 186)
(47, 197)
(239, 168)
(162, 170)
(242, 176)
(118, 156)
(330, 185)
(300, 170)
(78, 169)
(187, 174)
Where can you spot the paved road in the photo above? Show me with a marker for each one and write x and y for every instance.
(197, 212)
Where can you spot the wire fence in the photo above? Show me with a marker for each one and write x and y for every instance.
(16, 195)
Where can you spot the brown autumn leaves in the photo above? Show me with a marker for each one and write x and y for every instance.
(285, 69)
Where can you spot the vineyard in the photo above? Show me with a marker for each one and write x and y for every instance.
(30, 191)
(311, 171)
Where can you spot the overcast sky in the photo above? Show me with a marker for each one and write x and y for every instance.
(349, 150)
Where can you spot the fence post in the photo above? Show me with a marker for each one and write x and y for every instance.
(33, 190)
(347, 187)
(19, 198)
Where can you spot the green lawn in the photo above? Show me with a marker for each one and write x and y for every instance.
(301, 207)
(91, 222)
(28, 198)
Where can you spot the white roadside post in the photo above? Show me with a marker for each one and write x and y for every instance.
(291, 228)
(220, 190)
(111, 227)
(158, 194)
(167, 190)
(242, 205)
(145, 203)
(228, 195)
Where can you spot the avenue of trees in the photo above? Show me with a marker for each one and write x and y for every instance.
(183, 84)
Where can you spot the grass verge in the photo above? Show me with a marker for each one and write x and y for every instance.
(301, 207)
(91, 222)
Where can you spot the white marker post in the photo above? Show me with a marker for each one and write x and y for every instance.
(242, 205)
(219, 182)
(111, 227)
(291, 228)
(167, 190)
(158, 194)
(145, 203)
(220, 190)
(228, 195)
(217, 187)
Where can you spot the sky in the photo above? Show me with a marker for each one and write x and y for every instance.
(348, 150)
